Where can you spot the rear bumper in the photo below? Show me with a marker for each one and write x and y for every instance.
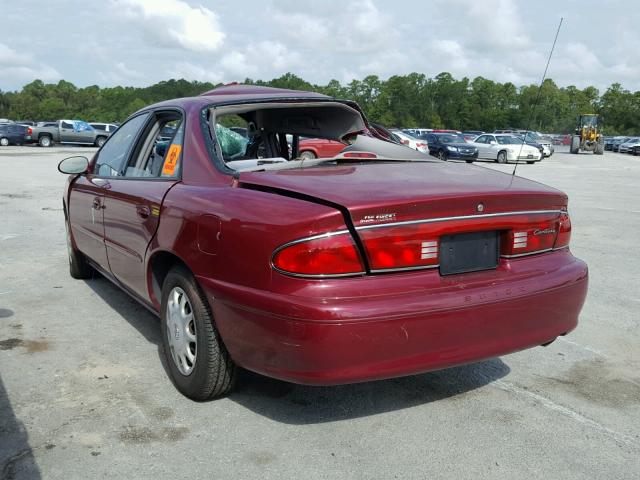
(451, 321)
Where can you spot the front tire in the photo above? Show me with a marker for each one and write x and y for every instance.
(198, 361)
(530, 162)
(79, 268)
(307, 155)
(599, 149)
(502, 157)
(100, 141)
(575, 144)
(4, 142)
(442, 155)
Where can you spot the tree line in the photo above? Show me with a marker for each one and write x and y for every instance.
(412, 100)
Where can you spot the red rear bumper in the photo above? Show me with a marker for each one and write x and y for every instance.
(356, 337)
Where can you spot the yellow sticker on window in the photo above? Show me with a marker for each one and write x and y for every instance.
(171, 161)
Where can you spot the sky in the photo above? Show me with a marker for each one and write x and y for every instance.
(141, 42)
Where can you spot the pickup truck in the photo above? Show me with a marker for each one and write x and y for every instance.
(65, 131)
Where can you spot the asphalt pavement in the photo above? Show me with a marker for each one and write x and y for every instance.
(84, 393)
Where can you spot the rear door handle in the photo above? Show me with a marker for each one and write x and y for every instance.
(143, 211)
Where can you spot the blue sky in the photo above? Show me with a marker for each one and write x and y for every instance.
(140, 42)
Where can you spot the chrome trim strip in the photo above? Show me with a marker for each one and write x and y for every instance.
(405, 269)
(526, 254)
(330, 275)
(560, 248)
(462, 217)
(312, 237)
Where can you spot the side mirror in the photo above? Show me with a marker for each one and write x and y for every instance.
(73, 165)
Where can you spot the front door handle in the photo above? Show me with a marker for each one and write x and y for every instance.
(96, 204)
(143, 211)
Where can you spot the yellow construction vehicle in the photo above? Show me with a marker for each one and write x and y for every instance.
(588, 135)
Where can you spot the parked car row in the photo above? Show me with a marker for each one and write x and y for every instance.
(622, 144)
(46, 133)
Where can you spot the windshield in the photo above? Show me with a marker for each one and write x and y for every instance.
(532, 136)
(451, 138)
(509, 140)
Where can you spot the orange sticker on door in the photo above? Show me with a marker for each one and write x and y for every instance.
(171, 161)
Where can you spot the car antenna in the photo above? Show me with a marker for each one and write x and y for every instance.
(535, 104)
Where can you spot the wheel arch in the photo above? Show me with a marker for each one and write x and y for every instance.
(158, 266)
(313, 150)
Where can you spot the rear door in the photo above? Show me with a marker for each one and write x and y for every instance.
(133, 201)
(86, 196)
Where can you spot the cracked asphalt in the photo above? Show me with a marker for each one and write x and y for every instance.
(84, 394)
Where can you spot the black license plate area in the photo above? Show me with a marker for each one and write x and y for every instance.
(468, 252)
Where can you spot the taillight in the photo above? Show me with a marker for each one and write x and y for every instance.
(359, 155)
(421, 145)
(328, 255)
(564, 231)
(537, 237)
(404, 142)
(29, 131)
(401, 247)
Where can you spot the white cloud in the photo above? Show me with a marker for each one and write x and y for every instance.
(265, 55)
(191, 71)
(175, 23)
(119, 74)
(355, 28)
(22, 67)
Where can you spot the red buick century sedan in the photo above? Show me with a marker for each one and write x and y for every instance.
(375, 263)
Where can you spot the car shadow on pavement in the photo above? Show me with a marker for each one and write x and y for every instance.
(300, 405)
(16, 454)
(131, 310)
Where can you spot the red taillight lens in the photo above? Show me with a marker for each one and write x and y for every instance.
(359, 155)
(421, 145)
(406, 246)
(324, 256)
(405, 142)
(29, 131)
(564, 231)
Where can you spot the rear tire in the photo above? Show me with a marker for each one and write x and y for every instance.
(45, 141)
(575, 144)
(502, 157)
(4, 142)
(307, 155)
(198, 361)
(79, 268)
(530, 162)
(100, 141)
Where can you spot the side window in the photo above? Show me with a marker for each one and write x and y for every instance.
(67, 125)
(160, 153)
(483, 139)
(98, 126)
(116, 148)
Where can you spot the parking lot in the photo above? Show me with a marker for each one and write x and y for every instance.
(84, 394)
